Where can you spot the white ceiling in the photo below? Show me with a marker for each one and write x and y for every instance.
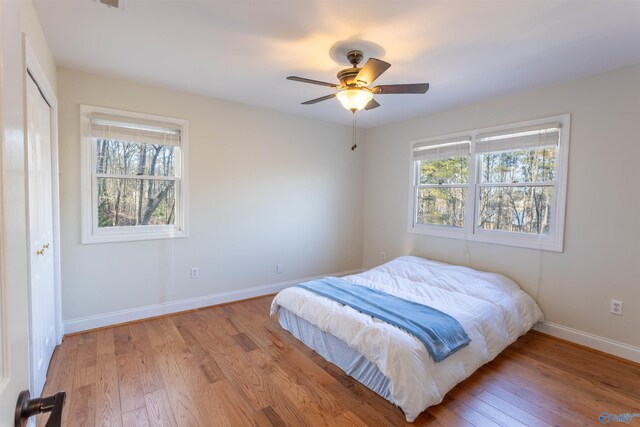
(242, 50)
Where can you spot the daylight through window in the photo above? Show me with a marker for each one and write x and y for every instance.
(136, 188)
(443, 173)
(501, 185)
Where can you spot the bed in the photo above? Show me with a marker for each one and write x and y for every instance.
(491, 308)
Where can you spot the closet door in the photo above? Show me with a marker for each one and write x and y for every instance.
(42, 296)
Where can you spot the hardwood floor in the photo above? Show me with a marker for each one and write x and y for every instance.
(232, 365)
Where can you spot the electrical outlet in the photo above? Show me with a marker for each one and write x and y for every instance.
(616, 307)
(383, 256)
(195, 273)
(278, 268)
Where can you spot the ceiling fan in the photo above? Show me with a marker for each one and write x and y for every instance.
(354, 92)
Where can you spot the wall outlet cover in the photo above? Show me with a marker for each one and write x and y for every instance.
(616, 307)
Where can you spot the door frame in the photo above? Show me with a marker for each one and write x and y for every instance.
(33, 67)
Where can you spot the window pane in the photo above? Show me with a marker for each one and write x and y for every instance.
(454, 170)
(517, 209)
(131, 158)
(127, 202)
(536, 165)
(441, 206)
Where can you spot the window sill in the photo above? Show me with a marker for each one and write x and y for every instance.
(439, 231)
(494, 237)
(131, 236)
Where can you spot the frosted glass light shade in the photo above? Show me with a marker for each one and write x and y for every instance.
(354, 99)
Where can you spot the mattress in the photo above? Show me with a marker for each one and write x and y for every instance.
(492, 309)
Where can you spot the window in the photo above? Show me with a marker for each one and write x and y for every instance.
(134, 186)
(442, 181)
(501, 185)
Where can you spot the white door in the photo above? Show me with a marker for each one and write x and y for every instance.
(14, 298)
(42, 296)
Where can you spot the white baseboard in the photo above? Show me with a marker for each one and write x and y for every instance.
(606, 345)
(107, 319)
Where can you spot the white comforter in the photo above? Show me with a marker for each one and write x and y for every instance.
(492, 309)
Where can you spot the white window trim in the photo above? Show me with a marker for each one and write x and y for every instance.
(90, 231)
(553, 242)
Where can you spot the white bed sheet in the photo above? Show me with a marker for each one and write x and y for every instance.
(493, 310)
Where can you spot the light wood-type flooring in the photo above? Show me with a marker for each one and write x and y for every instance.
(233, 365)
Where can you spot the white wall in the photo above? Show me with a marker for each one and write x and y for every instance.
(264, 188)
(601, 259)
(31, 27)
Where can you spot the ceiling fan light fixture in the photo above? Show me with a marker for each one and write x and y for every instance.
(354, 99)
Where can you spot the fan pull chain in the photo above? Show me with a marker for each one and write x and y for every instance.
(354, 146)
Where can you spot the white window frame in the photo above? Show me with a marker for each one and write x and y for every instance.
(91, 233)
(554, 241)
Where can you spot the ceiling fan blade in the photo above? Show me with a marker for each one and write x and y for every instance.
(322, 98)
(371, 105)
(409, 88)
(372, 70)
(313, 82)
